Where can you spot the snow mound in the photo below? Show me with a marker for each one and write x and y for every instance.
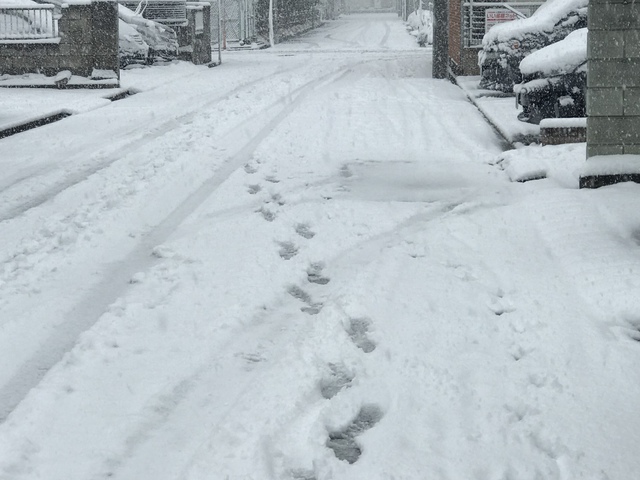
(543, 20)
(558, 58)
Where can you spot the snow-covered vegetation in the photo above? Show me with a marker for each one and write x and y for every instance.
(558, 58)
(506, 44)
(420, 25)
(544, 20)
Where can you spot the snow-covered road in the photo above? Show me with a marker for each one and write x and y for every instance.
(308, 264)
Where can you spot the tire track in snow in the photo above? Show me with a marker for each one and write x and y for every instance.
(387, 32)
(115, 280)
(158, 131)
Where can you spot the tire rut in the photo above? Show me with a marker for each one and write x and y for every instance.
(83, 315)
(115, 155)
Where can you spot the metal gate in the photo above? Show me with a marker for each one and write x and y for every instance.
(238, 21)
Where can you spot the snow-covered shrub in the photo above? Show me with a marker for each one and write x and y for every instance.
(420, 25)
(558, 58)
(555, 80)
(505, 45)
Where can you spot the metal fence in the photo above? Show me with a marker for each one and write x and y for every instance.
(479, 17)
(28, 22)
(238, 21)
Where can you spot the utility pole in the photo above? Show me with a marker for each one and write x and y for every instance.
(271, 35)
(441, 38)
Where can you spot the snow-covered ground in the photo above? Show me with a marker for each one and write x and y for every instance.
(501, 110)
(311, 263)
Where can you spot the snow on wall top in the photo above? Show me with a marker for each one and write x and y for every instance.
(543, 19)
(611, 165)
(560, 57)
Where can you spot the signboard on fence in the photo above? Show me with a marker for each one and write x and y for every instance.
(493, 16)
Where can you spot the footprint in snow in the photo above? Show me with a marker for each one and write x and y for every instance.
(253, 189)
(518, 352)
(287, 250)
(250, 169)
(343, 442)
(337, 380)
(267, 214)
(357, 330)
(314, 274)
(277, 198)
(312, 308)
(272, 179)
(304, 230)
(500, 305)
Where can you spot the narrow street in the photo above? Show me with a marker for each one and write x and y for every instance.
(306, 264)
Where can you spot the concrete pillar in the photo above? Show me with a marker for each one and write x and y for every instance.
(104, 36)
(613, 93)
(440, 68)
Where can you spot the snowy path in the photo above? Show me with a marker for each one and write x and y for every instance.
(296, 267)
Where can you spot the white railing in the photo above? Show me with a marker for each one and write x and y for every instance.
(28, 22)
(478, 17)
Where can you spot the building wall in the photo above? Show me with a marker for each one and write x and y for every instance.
(613, 95)
(455, 36)
(88, 41)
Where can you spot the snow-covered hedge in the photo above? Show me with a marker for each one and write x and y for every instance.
(543, 20)
(558, 58)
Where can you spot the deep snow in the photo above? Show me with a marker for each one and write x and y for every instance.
(308, 251)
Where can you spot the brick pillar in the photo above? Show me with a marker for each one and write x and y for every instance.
(613, 93)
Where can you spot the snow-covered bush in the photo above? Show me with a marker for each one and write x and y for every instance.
(555, 80)
(505, 45)
(558, 58)
(420, 25)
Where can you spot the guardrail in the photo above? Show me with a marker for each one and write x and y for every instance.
(28, 22)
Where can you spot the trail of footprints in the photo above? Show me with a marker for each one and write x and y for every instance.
(342, 442)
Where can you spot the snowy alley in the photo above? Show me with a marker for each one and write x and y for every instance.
(310, 263)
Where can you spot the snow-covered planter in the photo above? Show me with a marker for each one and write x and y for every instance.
(507, 44)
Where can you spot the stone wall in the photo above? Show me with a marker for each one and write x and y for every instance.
(88, 41)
